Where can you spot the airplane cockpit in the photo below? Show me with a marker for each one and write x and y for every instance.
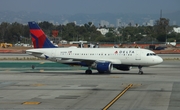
(151, 54)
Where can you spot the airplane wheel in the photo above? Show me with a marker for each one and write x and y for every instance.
(88, 72)
(140, 72)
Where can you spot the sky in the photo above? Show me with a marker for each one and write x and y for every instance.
(58, 7)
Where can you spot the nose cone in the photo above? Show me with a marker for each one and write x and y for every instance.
(158, 60)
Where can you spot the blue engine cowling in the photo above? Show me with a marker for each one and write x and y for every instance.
(122, 67)
(103, 67)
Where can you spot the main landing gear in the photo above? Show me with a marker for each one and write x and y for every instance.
(88, 71)
(140, 70)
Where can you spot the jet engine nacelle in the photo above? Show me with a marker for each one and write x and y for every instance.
(102, 67)
(122, 67)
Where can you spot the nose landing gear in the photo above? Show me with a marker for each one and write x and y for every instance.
(140, 70)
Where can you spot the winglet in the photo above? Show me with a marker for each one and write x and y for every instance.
(38, 37)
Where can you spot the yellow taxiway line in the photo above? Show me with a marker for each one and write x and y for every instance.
(117, 97)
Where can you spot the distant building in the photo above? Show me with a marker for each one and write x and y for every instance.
(118, 21)
(177, 30)
(75, 22)
(65, 22)
(103, 31)
(151, 22)
(104, 23)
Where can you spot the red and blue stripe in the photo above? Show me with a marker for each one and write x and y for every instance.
(38, 37)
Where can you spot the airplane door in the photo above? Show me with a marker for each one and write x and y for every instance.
(138, 55)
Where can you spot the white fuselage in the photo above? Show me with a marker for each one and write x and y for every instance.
(126, 56)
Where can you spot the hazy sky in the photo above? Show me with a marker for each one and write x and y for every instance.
(91, 6)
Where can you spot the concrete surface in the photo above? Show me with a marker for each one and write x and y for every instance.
(157, 89)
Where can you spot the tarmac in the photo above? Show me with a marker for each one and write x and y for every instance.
(53, 88)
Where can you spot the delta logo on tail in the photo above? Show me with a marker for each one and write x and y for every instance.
(39, 39)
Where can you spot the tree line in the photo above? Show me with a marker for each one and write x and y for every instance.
(160, 32)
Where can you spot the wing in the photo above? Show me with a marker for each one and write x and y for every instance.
(90, 60)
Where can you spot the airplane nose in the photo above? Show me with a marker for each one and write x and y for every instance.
(159, 60)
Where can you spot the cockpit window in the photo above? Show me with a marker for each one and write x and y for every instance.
(151, 54)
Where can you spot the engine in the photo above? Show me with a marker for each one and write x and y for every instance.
(102, 67)
(122, 67)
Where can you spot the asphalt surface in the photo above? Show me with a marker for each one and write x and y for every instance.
(43, 88)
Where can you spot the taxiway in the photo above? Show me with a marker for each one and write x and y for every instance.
(157, 89)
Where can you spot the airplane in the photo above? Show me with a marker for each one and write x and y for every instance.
(101, 59)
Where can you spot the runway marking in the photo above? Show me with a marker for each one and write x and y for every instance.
(31, 103)
(36, 85)
(117, 97)
(41, 70)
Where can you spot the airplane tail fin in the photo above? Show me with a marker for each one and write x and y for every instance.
(38, 37)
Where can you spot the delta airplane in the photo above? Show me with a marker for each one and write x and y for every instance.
(101, 59)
